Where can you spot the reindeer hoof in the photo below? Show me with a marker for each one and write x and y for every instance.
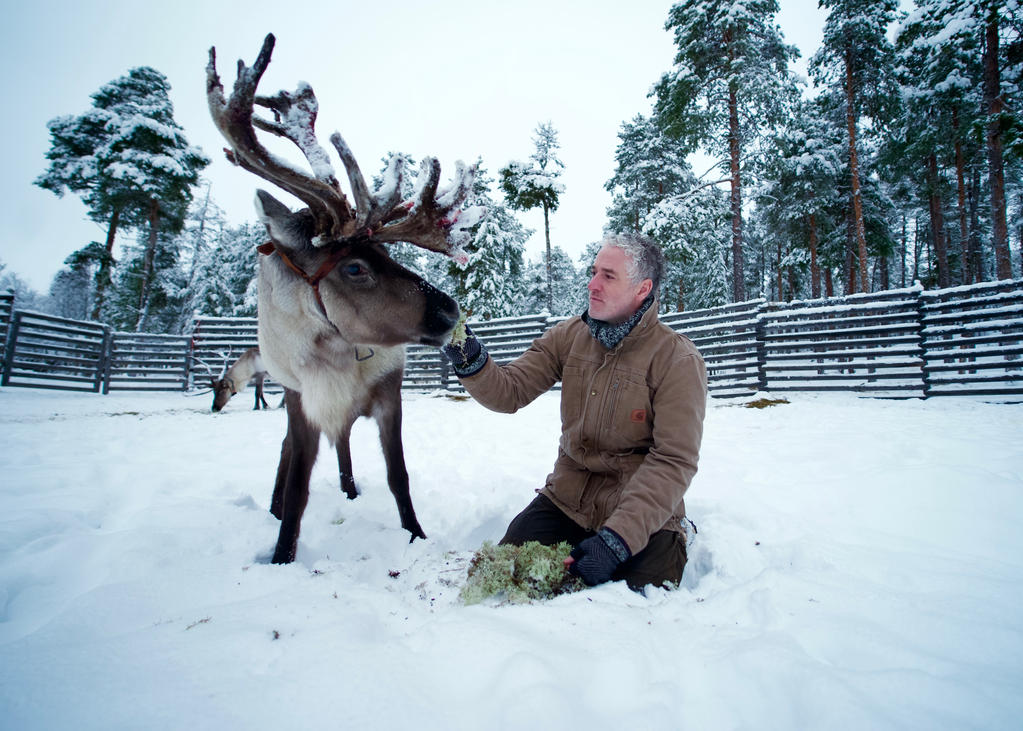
(349, 489)
(282, 557)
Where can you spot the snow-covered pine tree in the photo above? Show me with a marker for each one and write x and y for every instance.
(568, 288)
(158, 274)
(241, 262)
(488, 286)
(693, 230)
(205, 292)
(70, 293)
(653, 191)
(932, 142)
(856, 61)
(131, 163)
(730, 85)
(533, 184)
(650, 168)
(797, 196)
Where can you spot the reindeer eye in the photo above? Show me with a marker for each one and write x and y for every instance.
(354, 269)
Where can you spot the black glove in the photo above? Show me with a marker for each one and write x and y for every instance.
(596, 558)
(468, 357)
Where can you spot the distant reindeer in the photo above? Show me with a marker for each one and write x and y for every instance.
(335, 311)
(249, 367)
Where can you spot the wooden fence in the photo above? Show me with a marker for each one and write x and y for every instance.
(906, 343)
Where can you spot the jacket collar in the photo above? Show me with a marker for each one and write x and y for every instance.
(611, 335)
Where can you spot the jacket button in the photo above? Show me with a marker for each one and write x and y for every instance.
(593, 393)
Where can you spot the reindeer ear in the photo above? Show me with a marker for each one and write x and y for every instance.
(275, 215)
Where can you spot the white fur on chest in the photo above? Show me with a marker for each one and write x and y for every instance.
(305, 354)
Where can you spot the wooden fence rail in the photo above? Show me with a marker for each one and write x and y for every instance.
(906, 343)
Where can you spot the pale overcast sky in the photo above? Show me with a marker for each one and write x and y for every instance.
(456, 79)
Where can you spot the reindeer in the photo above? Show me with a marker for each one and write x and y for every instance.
(249, 367)
(335, 311)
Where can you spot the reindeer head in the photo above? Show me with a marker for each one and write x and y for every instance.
(329, 263)
(223, 390)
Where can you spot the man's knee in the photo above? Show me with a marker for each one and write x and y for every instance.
(661, 563)
(542, 521)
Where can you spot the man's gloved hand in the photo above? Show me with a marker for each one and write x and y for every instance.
(596, 558)
(468, 356)
(464, 352)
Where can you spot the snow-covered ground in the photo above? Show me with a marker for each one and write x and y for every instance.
(859, 565)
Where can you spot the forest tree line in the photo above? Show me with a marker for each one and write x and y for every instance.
(899, 162)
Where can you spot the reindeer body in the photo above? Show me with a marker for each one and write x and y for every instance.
(339, 352)
(249, 367)
(335, 311)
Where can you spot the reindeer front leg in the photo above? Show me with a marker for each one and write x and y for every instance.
(291, 494)
(344, 463)
(388, 417)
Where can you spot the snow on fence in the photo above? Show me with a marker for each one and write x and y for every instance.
(905, 343)
(727, 338)
(56, 353)
(973, 339)
(147, 362)
(868, 343)
(6, 313)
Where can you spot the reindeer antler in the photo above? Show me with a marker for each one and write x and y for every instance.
(430, 220)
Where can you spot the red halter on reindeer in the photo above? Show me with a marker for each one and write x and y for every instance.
(335, 311)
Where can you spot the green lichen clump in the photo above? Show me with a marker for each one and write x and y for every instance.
(458, 335)
(519, 574)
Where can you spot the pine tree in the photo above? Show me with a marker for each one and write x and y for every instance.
(131, 163)
(998, 16)
(939, 71)
(730, 84)
(159, 274)
(693, 232)
(797, 198)
(533, 184)
(487, 287)
(857, 58)
(70, 292)
(650, 168)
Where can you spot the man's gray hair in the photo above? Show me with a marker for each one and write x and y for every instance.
(644, 258)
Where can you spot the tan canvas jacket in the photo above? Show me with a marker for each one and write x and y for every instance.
(631, 420)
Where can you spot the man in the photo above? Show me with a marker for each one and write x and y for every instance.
(633, 398)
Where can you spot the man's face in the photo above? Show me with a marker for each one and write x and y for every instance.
(613, 296)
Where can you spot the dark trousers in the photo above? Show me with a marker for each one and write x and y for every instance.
(661, 563)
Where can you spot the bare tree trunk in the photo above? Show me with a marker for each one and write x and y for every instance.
(815, 269)
(738, 285)
(976, 248)
(104, 277)
(916, 250)
(778, 275)
(937, 220)
(200, 233)
(905, 243)
(964, 234)
(147, 261)
(829, 285)
(996, 171)
(547, 238)
(850, 257)
(854, 167)
(680, 304)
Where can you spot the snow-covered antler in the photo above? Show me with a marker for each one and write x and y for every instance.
(429, 219)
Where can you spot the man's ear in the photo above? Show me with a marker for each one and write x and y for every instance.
(644, 288)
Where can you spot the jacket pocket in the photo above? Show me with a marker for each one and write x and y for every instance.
(628, 419)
